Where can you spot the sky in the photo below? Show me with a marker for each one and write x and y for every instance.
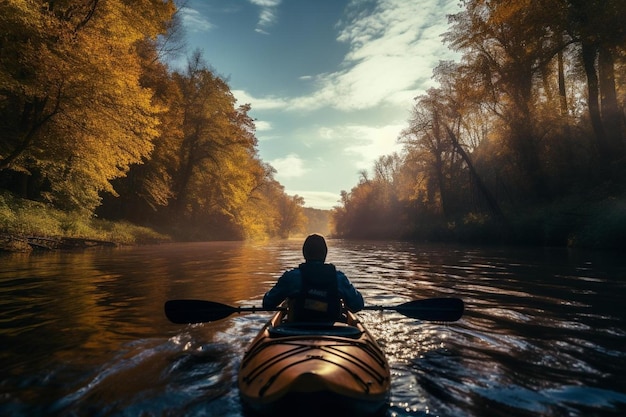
(331, 82)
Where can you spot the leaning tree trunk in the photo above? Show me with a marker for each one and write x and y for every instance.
(562, 90)
(494, 208)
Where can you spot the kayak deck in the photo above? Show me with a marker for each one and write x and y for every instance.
(290, 367)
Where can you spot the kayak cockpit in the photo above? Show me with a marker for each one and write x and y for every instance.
(314, 329)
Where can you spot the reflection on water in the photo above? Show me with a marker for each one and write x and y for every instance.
(84, 333)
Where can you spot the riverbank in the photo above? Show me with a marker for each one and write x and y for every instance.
(26, 225)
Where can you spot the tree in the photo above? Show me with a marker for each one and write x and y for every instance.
(372, 209)
(506, 136)
(72, 109)
(292, 219)
(509, 44)
(426, 136)
(598, 26)
(269, 211)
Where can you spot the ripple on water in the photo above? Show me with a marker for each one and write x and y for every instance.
(542, 335)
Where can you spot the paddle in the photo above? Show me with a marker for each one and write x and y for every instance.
(430, 309)
(200, 311)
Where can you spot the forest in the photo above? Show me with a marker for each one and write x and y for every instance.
(521, 142)
(94, 123)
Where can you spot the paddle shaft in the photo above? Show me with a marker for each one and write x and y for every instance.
(201, 311)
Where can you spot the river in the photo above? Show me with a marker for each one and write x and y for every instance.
(84, 333)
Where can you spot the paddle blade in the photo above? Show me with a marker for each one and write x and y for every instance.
(433, 309)
(196, 311)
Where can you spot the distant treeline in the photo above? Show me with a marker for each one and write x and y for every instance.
(93, 121)
(523, 140)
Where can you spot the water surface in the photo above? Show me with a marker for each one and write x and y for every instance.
(84, 333)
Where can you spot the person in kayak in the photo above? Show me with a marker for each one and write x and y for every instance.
(315, 290)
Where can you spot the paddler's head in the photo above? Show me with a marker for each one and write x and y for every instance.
(314, 248)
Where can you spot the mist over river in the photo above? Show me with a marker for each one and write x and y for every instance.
(84, 333)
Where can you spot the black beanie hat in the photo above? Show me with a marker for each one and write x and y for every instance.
(314, 248)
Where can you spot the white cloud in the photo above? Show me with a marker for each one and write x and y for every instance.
(327, 133)
(265, 103)
(324, 200)
(368, 143)
(267, 15)
(291, 166)
(265, 3)
(194, 21)
(392, 52)
(262, 126)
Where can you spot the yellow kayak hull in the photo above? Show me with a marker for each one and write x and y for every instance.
(292, 368)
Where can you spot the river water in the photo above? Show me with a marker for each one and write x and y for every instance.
(84, 334)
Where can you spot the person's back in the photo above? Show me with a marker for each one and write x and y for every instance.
(318, 298)
(315, 289)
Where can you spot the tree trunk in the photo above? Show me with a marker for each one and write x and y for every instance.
(562, 91)
(441, 184)
(609, 107)
(494, 208)
(437, 151)
(589, 53)
(522, 125)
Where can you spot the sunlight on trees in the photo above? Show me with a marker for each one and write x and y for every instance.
(73, 111)
(521, 140)
(93, 120)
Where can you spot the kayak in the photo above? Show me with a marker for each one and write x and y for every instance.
(292, 368)
(313, 368)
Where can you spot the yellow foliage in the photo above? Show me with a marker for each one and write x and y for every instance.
(72, 77)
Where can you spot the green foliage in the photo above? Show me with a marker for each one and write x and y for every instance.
(123, 232)
(24, 217)
(21, 217)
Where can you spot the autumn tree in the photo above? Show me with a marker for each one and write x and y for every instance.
(204, 178)
(318, 221)
(269, 211)
(597, 26)
(508, 44)
(426, 137)
(211, 175)
(527, 129)
(73, 113)
(353, 218)
(292, 219)
(372, 208)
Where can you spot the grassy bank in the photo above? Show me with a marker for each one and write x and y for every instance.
(26, 218)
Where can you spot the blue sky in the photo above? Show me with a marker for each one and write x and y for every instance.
(331, 82)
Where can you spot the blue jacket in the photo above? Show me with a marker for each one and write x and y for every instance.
(289, 284)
